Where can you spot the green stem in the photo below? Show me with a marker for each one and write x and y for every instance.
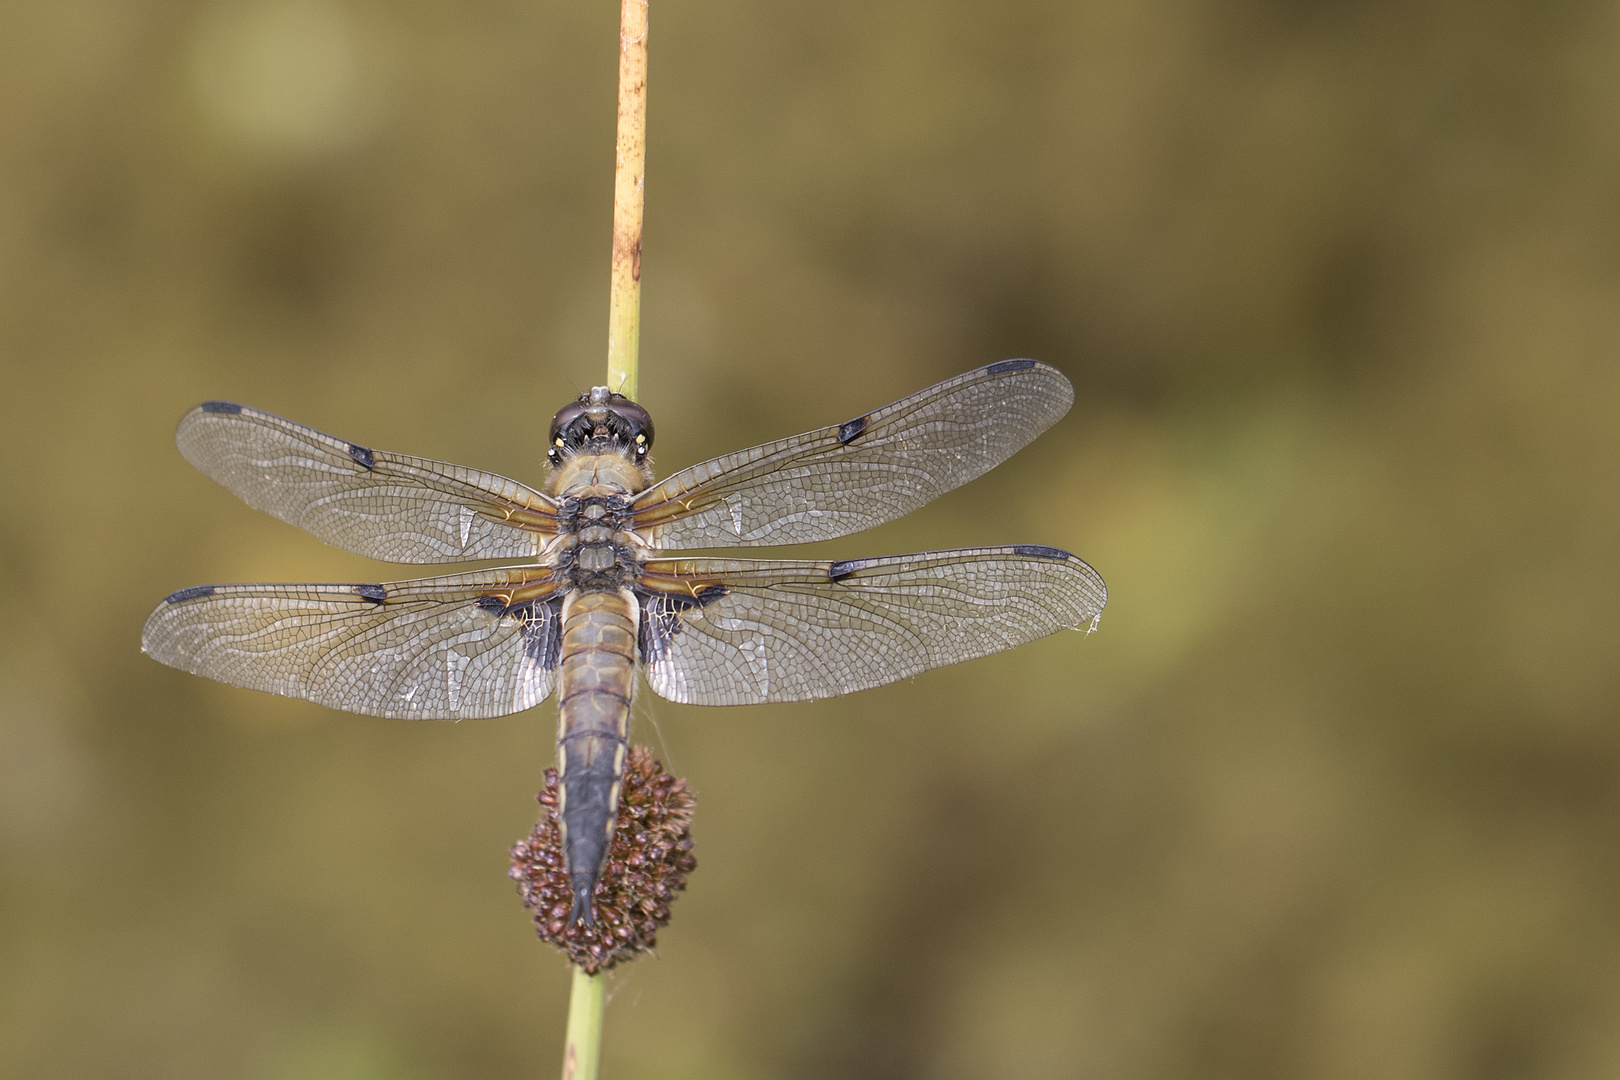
(582, 1057)
(629, 178)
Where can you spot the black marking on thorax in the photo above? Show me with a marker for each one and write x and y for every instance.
(364, 456)
(850, 430)
(576, 513)
(1040, 551)
(375, 593)
(596, 561)
(661, 614)
(194, 592)
(541, 626)
(1003, 367)
(221, 408)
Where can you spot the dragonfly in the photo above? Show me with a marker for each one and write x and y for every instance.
(601, 589)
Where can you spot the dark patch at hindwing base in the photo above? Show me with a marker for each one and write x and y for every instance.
(362, 455)
(1003, 367)
(661, 618)
(542, 633)
(541, 626)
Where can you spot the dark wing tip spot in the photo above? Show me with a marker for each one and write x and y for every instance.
(195, 592)
(838, 571)
(1005, 366)
(364, 456)
(1040, 551)
(850, 430)
(221, 408)
(372, 592)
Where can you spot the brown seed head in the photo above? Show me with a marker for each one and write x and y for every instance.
(646, 868)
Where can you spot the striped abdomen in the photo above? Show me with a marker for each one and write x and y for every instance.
(595, 677)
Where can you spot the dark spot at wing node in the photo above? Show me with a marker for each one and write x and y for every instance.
(364, 456)
(1003, 367)
(222, 408)
(372, 592)
(838, 571)
(850, 430)
(1040, 551)
(195, 592)
(661, 617)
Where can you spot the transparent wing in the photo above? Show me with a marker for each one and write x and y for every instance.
(741, 631)
(864, 472)
(386, 506)
(446, 648)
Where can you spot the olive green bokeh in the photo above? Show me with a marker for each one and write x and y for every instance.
(1334, 792)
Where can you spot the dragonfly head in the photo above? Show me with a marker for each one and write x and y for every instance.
(600, 422)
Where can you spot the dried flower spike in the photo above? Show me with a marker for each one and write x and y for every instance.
(647, 866)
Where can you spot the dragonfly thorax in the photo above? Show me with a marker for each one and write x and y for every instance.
(593, 470)
(596, 550)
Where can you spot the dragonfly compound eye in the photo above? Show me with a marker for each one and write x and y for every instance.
(568, 418)
(634, 425)
(601, 415)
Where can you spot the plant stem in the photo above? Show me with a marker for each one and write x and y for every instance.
(583, 1054)
(629, 178)
(587, 998)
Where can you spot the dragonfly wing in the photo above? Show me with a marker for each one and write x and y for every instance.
(736, 631)
(447, 648)
(386, 506)
(852, 476)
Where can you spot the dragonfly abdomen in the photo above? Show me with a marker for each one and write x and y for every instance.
(595, 681)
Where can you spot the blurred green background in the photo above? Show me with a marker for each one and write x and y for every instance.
(1333, 793)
